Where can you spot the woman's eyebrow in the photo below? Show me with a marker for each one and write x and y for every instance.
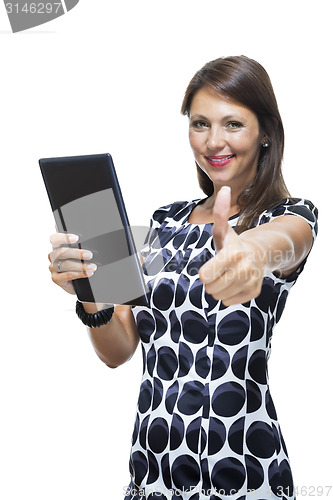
(235, 116)
(225, 118)
(198, 117)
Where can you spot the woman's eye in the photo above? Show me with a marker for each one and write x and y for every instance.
(199, 124)
(234, 125)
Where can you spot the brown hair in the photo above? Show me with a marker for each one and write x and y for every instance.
(246, 82)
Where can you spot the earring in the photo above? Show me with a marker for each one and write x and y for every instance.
(265, 144)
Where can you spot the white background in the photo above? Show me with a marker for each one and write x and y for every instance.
(110, 77)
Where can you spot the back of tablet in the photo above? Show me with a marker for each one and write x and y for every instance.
(86, 200)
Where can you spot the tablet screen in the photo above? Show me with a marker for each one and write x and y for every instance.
(99, 218)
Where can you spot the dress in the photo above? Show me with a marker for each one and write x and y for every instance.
(206, 427)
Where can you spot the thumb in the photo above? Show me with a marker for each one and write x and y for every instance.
(221, 215)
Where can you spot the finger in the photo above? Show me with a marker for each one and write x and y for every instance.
(58, 279)
(73, 266)
(68, 287)
(61, 278)
(58, 239)
(240, 297)
(221, 215)
(235, 280)
(63, 253)
(225, 260)
(240, 281)
(214, 268)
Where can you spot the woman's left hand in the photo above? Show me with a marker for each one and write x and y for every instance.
(236, 272)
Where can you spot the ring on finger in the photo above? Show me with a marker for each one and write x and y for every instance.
(60, 270)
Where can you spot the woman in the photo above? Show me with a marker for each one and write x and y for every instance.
(219, 270)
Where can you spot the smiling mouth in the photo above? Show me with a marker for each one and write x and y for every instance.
(219, 161)
(219, 158)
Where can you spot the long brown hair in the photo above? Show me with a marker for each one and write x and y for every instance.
(246, 82)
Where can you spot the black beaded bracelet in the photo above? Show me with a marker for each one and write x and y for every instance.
(94, 320)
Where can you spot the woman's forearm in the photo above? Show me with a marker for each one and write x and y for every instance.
(283, 243)
(115, 342)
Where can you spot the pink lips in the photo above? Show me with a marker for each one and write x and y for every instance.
(219, 161)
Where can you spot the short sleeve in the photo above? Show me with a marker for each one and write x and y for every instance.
(294, 206)
(298, 207)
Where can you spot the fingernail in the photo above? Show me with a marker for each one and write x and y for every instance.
(87, 254)
(226, 188)
(92, 267)
(73, 238)
(89, 273)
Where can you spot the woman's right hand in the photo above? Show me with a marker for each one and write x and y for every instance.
(66, 262)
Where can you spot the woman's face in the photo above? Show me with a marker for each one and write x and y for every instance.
(225, 139)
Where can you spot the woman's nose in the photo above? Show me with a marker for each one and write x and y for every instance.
(216, 139)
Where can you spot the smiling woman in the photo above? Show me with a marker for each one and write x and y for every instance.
(226, 141)
(240, 84)
(219, 271)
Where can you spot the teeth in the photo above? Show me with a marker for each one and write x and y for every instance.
(221, 159)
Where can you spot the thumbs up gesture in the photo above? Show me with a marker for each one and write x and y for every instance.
(236, 272)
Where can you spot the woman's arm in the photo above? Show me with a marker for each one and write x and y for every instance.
(114, 342)
(285, 242)
(236, 273)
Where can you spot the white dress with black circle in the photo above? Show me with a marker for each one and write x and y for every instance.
(206, 426)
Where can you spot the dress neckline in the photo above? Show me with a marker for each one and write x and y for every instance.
(197, 202)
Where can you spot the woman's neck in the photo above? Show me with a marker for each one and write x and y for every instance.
(203, 212)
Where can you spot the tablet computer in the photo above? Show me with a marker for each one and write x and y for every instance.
(86, 200)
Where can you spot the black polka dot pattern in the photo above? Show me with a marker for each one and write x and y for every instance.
(206, 426)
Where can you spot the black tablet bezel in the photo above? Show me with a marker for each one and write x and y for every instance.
(69, 189)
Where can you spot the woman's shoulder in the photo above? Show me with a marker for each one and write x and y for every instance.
(177, 211)
(295, 206)
(300, 207)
